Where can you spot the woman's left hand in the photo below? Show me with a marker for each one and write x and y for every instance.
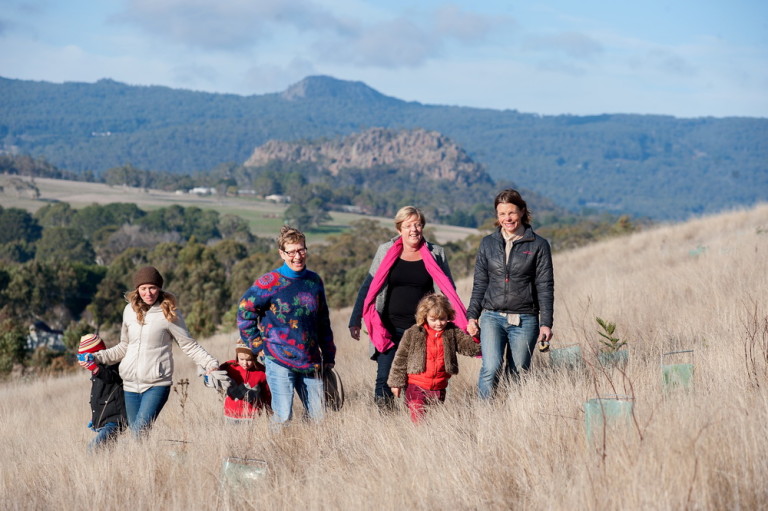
(472, 328)
(217, 379)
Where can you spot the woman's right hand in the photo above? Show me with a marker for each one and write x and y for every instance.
(354, 331)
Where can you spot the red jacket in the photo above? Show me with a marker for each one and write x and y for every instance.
(434, 377)
(235, 405)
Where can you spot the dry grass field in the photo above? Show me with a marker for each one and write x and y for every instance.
(700, 286)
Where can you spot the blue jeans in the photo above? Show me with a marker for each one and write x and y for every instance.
(104, 434)
(497, 338)
(143, 408)
(283, 381)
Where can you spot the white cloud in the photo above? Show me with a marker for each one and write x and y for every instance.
(573, 44)
(461, 24)
(393, 44)
(224, 25)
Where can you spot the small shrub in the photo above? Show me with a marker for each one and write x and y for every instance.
(608, 340)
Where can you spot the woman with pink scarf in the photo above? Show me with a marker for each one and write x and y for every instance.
(403, 270)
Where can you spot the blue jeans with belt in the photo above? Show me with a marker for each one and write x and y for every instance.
(497, 338)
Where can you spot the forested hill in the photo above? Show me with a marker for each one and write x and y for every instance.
(656, 166)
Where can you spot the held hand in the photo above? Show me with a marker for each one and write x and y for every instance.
(217, 379)
(396, 391)
(472, 328)
(87, 361)
(84, 358)
(354, 331)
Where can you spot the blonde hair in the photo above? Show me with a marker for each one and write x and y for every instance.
(167, 303)
(437, 305)
(407, 212)
(288, 235)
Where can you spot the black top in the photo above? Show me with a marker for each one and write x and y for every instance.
(407, 283)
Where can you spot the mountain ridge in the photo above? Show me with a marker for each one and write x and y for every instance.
(657, 166)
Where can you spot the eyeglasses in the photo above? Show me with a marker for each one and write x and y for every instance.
(408, 227)
(302, 252)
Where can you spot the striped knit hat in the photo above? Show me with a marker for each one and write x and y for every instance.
(241, 347)
(91, 343)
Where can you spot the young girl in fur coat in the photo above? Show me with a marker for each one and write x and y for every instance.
(426, 357)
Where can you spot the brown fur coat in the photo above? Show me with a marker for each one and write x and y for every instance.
(411, 354)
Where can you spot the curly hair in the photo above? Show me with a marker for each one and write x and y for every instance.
(167, 303)
(288, 235)
(437, 305)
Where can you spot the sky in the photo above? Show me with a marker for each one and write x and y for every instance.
(686, 58)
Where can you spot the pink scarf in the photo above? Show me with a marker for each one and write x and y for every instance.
(380, 336)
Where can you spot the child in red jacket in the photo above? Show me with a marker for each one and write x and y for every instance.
(249, 393)
(426, 356)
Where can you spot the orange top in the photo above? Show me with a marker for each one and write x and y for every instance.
(434, 376)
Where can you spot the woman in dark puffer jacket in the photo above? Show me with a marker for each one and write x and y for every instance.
(513, 293)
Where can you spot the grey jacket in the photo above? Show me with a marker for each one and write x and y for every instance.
(524, 284)
(356, 319)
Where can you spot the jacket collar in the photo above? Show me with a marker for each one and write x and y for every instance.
(527, 235)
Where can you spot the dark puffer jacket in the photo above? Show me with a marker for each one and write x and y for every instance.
(523, 285)
(107, 397)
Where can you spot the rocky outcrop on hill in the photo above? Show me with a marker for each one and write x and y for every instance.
(327, 88)
(427, 152)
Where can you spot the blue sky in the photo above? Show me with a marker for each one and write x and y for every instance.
(678, 57)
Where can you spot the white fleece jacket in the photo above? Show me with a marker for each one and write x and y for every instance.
(145, 350)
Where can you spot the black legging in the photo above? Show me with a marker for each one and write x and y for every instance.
(382, 393)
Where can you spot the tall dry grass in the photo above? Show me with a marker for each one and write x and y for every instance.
(704, 449)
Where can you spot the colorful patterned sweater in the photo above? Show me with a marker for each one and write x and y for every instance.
(285, 314)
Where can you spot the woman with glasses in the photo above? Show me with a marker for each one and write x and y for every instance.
(284, 314)
(513, 293)
(403, 270)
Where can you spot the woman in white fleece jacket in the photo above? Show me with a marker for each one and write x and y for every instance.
(150, 324)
